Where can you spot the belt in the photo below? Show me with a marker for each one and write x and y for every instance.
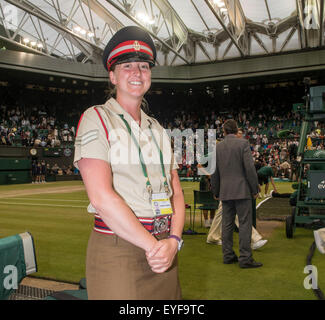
(157, 225)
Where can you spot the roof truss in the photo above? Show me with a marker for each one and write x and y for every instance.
(51, 25)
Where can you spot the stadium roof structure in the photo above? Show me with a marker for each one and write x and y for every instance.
(185, 32)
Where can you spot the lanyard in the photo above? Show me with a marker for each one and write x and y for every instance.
(143, 166)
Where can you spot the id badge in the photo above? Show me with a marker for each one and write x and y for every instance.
(161, 204)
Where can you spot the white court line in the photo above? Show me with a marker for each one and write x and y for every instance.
(42, 205)
(263, 202)
(14, 198)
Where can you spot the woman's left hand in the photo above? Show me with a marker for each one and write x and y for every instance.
(162, 255)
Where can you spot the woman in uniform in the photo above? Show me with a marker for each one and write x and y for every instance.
(127, 165)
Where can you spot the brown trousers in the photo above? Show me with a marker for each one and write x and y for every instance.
(118, 270)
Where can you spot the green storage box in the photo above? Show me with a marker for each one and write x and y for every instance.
(317, 101)
(316, 184)
(15, 177)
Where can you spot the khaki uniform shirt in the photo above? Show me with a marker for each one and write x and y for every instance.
(119, 150)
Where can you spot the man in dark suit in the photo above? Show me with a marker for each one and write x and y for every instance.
(235, 183)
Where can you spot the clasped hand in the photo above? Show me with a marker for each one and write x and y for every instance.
(161, 256)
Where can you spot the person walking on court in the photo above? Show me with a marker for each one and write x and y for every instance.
(215, 232)
(235, 183)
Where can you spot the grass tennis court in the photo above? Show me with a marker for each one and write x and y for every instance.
(61, 226)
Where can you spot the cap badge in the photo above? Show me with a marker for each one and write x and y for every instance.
(136, 46)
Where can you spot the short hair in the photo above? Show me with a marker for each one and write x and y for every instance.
(230, 126)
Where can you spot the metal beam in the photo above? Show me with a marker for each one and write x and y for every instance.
(173, 60)
(33, 10)
(274, 44)
(280, 27)
(312, 15)
(268, 10)
(233, 40)
(21, 24)
(249, 46)
(199, 13)
(236, 16)
(301, 30)
(12, 34)
(260, 42)
(281, 64)
(230, 44)
(3, 20)
(190, 49)
(72, 12)
(85, 16)
(23, 47)
(57, 9)
(204, 50)
(103, 13)
(91, 20)
(300, 9)
(179, 27)
(291, 33)
(321, 23)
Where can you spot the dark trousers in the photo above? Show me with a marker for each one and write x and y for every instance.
(243, 209)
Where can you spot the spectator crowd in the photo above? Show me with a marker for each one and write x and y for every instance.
(34, 128)
(260, 113)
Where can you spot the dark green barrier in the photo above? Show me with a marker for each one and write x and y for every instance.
(3, 177)
(14, 164)
(14, 177)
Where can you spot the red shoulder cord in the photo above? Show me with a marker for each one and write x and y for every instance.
(101, 120)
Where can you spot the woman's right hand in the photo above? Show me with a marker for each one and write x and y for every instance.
(162, 255)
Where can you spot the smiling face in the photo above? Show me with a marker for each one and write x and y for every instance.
(131, 79)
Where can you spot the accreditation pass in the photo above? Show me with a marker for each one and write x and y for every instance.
(161, 204)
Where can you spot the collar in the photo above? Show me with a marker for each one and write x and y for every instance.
(230, 136)
(116, 108)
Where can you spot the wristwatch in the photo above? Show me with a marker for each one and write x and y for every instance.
(179, 240)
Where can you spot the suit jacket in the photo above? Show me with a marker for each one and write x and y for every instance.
(235, 176)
